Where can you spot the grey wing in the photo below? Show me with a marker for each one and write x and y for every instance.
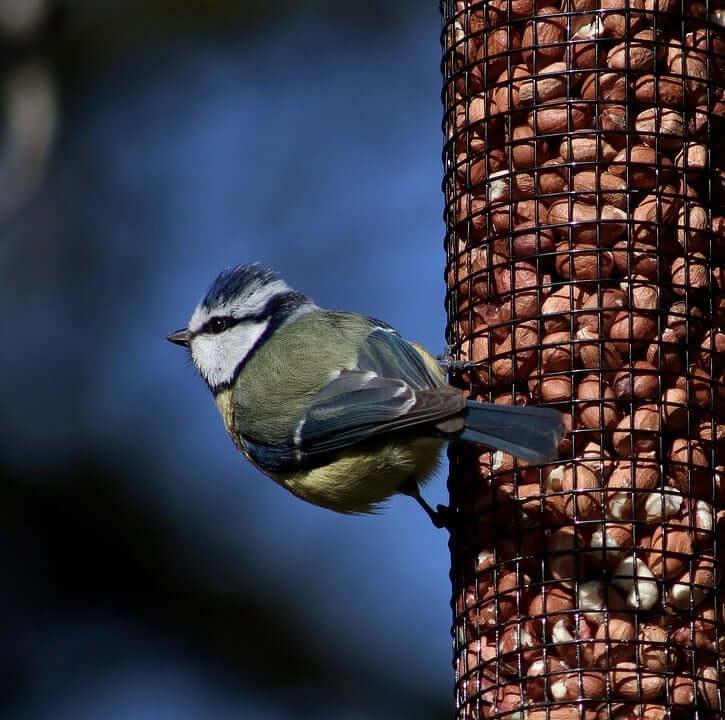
(390, 389)
(359, 405)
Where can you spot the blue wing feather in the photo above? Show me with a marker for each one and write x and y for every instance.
(388, 355)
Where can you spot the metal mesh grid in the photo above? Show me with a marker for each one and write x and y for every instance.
(585, 211)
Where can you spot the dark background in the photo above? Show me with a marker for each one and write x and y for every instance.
(147, 570)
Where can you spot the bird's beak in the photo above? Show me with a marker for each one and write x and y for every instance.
(180, 337)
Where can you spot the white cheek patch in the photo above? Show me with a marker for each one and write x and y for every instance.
(198, 318)
(218, 356)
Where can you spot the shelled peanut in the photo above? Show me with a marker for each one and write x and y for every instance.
(586, 271)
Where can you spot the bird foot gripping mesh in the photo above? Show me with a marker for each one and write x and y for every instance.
(585, 212)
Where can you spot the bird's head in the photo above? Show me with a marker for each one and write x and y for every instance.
(241, 309)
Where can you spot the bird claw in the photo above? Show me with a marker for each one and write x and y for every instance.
(441, 517)
(448, 364)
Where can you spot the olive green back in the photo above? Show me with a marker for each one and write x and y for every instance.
(278, 382)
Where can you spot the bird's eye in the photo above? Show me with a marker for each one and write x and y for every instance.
(218, 325)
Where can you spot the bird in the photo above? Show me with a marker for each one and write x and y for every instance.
(337, 407)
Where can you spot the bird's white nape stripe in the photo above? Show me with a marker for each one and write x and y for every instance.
(253, 302)
(218, 356)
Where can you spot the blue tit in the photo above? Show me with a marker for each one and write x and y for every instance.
(337, 407)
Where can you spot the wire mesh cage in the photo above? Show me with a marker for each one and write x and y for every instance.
(585, 211)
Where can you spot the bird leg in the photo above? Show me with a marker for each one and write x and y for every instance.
(440, 517)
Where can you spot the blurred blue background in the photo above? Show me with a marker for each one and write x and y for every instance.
(148, 571)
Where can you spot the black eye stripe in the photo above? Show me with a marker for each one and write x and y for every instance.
(213, 327)
(277, 307)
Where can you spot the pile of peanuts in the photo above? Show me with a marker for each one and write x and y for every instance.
(585, 191)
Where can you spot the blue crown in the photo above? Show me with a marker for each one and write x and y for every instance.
(232, 281)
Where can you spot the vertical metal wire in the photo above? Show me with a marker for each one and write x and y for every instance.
(584, 182)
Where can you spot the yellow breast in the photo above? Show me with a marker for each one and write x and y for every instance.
(361, 478)
(225, 403)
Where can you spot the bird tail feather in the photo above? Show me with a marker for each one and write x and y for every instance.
(528, 433)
